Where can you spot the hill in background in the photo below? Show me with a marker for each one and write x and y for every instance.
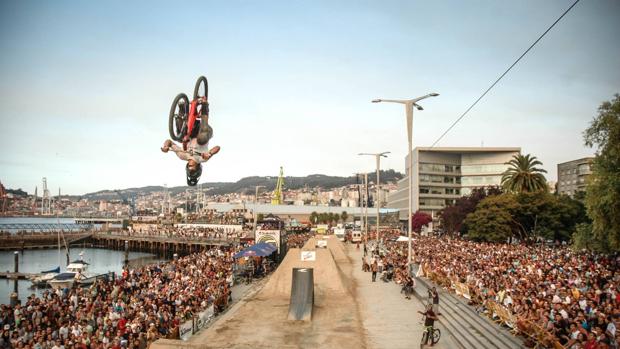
(248, 184)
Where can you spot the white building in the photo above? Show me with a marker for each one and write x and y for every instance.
(442, 175)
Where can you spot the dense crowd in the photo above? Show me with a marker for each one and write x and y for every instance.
(297, 240)
(574, 297)
(187, 233)
(132, 311)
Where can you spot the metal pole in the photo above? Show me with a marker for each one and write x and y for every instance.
(16, 254)
(409, 112)
(366, 204)
(126, 253)
(377, 201)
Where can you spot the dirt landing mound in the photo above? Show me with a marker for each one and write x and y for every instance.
(327, 279)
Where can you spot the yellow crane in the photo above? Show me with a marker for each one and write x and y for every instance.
(277, 198)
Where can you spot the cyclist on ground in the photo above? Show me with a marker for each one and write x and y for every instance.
(429, 322)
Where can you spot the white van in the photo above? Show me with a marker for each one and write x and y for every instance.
(339, 232)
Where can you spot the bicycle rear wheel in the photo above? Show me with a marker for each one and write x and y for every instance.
(177, 118)
(436, 335)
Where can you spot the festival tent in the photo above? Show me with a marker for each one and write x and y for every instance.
(261, 250)
(403, 238)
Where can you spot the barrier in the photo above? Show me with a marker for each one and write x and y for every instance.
(203, 318)
(186, 330)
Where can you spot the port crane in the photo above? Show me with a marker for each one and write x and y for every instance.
(277, 198)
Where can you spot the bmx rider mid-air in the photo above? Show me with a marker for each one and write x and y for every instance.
(188, 123)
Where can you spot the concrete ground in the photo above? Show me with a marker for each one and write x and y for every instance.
(390, 320)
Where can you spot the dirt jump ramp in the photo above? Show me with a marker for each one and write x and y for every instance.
(262, 320)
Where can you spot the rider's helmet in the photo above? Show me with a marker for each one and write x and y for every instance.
(193, 170)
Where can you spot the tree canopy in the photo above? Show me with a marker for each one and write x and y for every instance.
(603, 186)
(525, 216)
(452, 216)
(419, 220)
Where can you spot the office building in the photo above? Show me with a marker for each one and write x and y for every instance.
(442, 175)
(572, 175)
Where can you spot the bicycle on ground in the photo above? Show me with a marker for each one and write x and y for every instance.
(430, 334)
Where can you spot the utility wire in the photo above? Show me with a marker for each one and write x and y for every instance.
(501, 76)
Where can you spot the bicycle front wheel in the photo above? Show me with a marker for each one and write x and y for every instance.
(177, 118)
(436, 335)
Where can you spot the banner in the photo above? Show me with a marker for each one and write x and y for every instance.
(226, 227)
(308, 256)
(186, 330)
(204, 317)
(268, 236)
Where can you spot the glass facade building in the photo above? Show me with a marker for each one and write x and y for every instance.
(442, 175)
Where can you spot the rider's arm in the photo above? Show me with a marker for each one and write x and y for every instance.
(182, 154)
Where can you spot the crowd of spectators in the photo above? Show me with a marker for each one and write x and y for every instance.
(573, 298)
(131, 311)
(297, 240)
(188, 233)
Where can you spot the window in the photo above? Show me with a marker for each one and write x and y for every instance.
(437, 168)
(482, 169)
(481, 181)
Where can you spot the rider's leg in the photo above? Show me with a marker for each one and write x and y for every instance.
(431, 330)
(205, 133)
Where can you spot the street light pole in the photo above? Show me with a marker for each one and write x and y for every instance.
(362, 205)
(366, 205)
(377, 201)
(254, 215)
(409, 104)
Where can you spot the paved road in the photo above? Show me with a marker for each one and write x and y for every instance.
(390, 320)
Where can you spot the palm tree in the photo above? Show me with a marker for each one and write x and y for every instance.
(523, 176)
(314, 217)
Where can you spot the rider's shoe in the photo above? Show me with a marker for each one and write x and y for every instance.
(166, 146)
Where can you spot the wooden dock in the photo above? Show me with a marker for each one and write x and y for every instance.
(17, 276)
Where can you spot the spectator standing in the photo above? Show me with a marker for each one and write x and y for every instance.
(374, 269)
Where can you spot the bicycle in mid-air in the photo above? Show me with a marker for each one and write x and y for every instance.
(430, 334)
(183, 114)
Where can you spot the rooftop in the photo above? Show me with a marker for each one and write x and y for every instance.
(469, 149)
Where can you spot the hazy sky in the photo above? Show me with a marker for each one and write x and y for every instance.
(86, 86)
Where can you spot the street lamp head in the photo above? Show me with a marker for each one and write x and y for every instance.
(376, 100)
(434, 94)
(419, 107)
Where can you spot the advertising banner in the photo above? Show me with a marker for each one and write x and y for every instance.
(186, 330)
(204, 317)
(268, 236)
(308, 256)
